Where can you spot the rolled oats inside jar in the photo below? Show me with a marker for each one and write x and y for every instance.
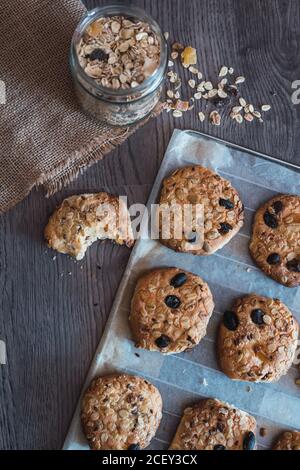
(118, 61)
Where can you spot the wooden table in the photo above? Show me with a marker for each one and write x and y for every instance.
(53, 310)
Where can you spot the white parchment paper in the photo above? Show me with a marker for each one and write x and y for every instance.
(185, 378)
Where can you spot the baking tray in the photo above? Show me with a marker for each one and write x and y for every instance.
(186, 378)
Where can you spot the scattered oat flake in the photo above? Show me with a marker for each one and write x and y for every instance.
(248, 117)
(215, 118)
(239, 80)
(243, 102)
(166, 35)
(177, 113)
(201, 116)
(174, 55)
(177, 95)
(257, 114)
(192, 83)
(231, 70)
(237, 117)
(222, 93)
(223, 72)
(223, 82)
(237, 109)
(208, 86)
(212, 93)
(193, 70)
(198, 95)
(265, 107)
(170, 63)
(170, 94)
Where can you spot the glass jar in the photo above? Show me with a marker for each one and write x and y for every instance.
(117, 106)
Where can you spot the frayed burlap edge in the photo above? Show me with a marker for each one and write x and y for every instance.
(77, 162)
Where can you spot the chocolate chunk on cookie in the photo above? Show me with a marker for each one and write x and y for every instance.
(275, 241)
(120, 412)
(170, 310)
(223, 210)
(257, 339)
(214, 425)
(81, 220)
(289, 440)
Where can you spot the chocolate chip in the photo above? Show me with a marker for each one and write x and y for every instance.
(293, 265)
(249, 441)
(274, 258)
(230, 320)
(257, 316)
(98, 54)
(134, 447)
(224, 228)
(178, 280)
(270, 220)
(226, 203)
(277, 206)
(163, 341)
(219, 447)
(172, 301)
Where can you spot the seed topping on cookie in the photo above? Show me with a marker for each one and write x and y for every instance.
(170, 310)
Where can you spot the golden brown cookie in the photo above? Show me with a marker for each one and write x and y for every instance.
(81, 220)
(275, 242)
(257, 339)
(120, 412)
(223, 209)
(170, 310)
(289, 440)
(214, 425)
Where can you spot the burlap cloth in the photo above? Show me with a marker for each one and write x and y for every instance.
(44, 137)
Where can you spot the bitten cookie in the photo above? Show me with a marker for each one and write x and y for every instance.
(120, 412)
(170, 310)
(289, 440)
(214, 425)
(275, 242)
(222, 207)
(257, 339)
(81, 220)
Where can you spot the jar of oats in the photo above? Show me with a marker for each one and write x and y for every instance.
(118, 62)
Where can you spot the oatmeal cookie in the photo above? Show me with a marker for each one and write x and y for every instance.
(120, 412)
(214, 425)
(170, 310)
(257, 339)
(289, 440)
(275, 242)
(81, 220)
(223, 209)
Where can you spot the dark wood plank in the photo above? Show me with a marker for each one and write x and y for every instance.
(52, 320)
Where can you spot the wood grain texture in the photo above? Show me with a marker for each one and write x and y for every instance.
(53, 311)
